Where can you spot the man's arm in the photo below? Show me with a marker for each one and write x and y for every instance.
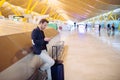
(35, 40)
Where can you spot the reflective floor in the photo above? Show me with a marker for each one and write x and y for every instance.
(89, 57)
(110, 39)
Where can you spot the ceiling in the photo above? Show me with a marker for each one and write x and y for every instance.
(77, 10)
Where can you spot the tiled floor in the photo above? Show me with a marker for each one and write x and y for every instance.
(113, 41)
(88, 58)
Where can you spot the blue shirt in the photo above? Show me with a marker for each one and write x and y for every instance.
(38, 40)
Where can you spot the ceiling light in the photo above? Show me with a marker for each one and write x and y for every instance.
(117, 10)
(91, 6)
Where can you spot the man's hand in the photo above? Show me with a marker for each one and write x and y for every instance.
(47, 39)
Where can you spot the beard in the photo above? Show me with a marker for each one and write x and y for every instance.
(42, 28)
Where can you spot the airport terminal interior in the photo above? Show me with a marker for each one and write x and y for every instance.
(86, 34)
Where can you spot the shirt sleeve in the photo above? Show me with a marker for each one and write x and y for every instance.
(46, 42)
(35, 39)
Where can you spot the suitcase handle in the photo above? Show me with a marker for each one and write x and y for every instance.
(56, 55)
(56, 48)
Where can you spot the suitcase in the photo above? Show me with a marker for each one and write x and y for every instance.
(57, 70)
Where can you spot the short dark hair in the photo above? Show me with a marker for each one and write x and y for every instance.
(43, 20)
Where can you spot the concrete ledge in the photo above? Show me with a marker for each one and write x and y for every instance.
(23, 69)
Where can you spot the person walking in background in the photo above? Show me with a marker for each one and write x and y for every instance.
(86, 27)
(99, 29)
(39, 42)
(108, 29)
(113, 29)
(77, 26)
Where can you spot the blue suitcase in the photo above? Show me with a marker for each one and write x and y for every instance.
(57, 70)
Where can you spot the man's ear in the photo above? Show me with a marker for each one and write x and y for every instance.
(39, 24)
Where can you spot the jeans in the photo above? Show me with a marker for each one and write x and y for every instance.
(48, 62)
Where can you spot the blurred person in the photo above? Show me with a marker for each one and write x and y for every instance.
(86, 27)
(113, 29)
(99, 29)
(108, 29)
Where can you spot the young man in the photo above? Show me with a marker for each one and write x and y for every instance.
(39, 42)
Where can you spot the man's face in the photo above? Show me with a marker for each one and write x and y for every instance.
(44, 25)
